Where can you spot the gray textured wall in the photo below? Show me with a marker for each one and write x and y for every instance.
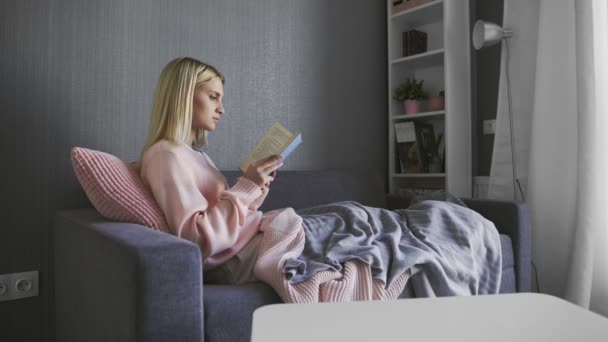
(82, 73)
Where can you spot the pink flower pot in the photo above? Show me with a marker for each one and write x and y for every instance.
(411, 106)
(436, 103)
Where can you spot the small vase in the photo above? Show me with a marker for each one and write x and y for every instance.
(411, 106)
(436, 103)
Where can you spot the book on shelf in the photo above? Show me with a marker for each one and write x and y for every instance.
(278, 140)
(414, 42)
(408, 154)
(427, 146)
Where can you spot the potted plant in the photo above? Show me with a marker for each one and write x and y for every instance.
(437, 102)
(411, 94)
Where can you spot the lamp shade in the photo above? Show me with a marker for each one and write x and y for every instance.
(486, 34)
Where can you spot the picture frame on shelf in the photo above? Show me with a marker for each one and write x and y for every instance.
(427, 146)
(409, 157)
(408, 154)
(441, 151)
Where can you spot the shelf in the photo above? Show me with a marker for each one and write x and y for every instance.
(422, 60)
(444, 66)
(417, 175)
(417, 115)
(421, 15)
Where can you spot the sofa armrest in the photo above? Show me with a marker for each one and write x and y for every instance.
(511, 218)
(124, 282)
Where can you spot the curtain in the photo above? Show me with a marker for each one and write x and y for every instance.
(587, 283)
(561, 150)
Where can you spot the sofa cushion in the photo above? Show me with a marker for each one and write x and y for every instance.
(115, 188)
(229, 309)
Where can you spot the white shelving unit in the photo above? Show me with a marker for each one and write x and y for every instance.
(423, 60)
(444, 66)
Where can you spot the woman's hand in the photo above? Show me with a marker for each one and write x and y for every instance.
(263, 171)
(273, 175)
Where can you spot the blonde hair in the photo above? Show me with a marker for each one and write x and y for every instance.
(172, 107)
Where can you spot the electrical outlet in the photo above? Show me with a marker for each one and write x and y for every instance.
(23, 285)
(18, 285)
(4, 281)
(489, 127)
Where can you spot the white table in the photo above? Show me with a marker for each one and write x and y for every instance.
(508, 317)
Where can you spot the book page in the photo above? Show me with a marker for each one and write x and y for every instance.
(275, 140)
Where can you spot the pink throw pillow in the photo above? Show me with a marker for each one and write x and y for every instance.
(115, 189)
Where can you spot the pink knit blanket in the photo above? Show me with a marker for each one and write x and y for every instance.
(283, 238)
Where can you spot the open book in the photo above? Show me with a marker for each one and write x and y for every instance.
(278, 140)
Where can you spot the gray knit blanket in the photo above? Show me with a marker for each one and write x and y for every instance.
(450, 249)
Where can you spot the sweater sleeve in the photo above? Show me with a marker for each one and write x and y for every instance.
(188, 212)
(255, 205)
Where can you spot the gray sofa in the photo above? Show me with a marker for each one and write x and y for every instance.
(119, 281)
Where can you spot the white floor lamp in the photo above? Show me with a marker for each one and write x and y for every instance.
(487, 34)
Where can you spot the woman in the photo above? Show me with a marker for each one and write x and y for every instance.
(191, 192)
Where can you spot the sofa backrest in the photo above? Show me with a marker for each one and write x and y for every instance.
(302, 189)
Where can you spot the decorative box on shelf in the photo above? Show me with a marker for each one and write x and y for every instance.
(402, 5)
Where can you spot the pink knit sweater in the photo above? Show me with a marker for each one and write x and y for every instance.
(197, 202)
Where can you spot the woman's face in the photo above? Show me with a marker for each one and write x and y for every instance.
(207, 105)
